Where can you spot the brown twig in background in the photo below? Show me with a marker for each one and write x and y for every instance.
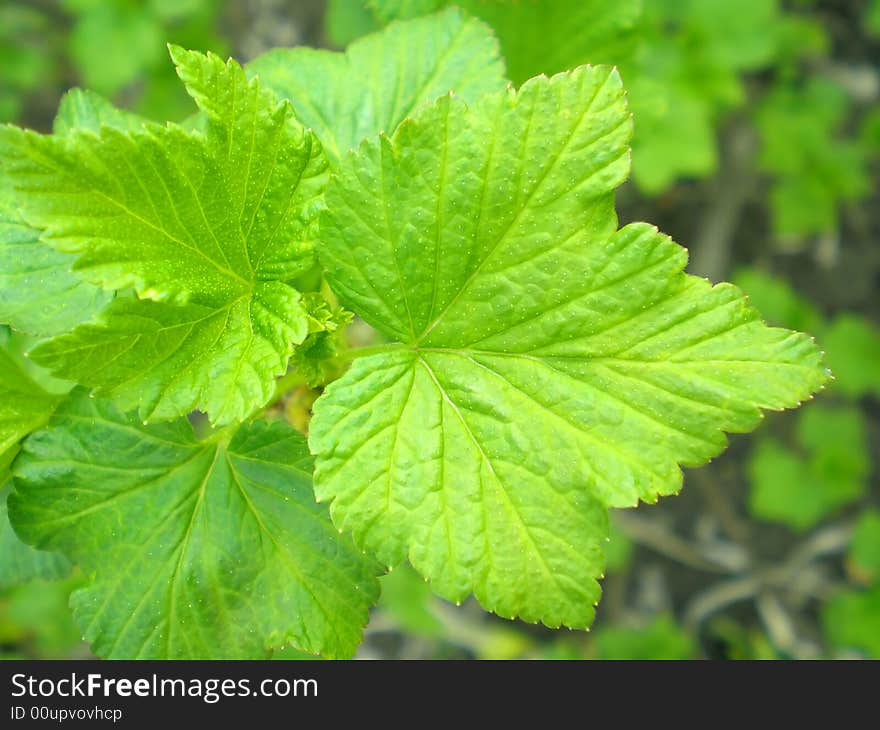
(729, 192)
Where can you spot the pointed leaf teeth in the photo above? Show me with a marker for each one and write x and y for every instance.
(168, 213)
(628, 369)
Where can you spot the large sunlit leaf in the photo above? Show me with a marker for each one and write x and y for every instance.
(549, 366)
(197, 549)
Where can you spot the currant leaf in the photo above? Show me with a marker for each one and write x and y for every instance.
(24, 407)
(197, 549)
(40, 295)
(549, 366)
(205, 227)
(20, 563)
(384, 77)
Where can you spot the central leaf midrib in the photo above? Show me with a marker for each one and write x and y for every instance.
(288, 558)
(525, 205)
(524, 527)
(200, 491)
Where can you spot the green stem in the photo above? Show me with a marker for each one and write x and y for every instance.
(287, 383)
(295, 377)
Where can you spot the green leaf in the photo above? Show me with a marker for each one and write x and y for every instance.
(24, 407)
(205, 227)
(39, 294)
(550, 366)
(36, 617)
(81, 110)
(346, 20)
(316, 358)
(383, 78)
(408, 600)
(815, 168)
(864, 552)
(852, 621)
(212, 549)
(853, 347)
(18, 345)
(776, 299)
(799, 489)
(112, 43)
(20, 563)
(871, 18)
(663, 638)
(541, 36)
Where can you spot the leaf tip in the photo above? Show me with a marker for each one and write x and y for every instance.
(176, 52)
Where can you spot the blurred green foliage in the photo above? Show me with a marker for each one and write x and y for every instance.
(853, 352)
(826, 469)
(114, 47)
(36, 623)
(872, 17)
(864, 553)
(620, 549)
(27, 46)
(662, 638)
(814, 167)
(852, 621)
(827, 462)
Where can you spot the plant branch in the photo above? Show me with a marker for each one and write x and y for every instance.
(653, 535)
